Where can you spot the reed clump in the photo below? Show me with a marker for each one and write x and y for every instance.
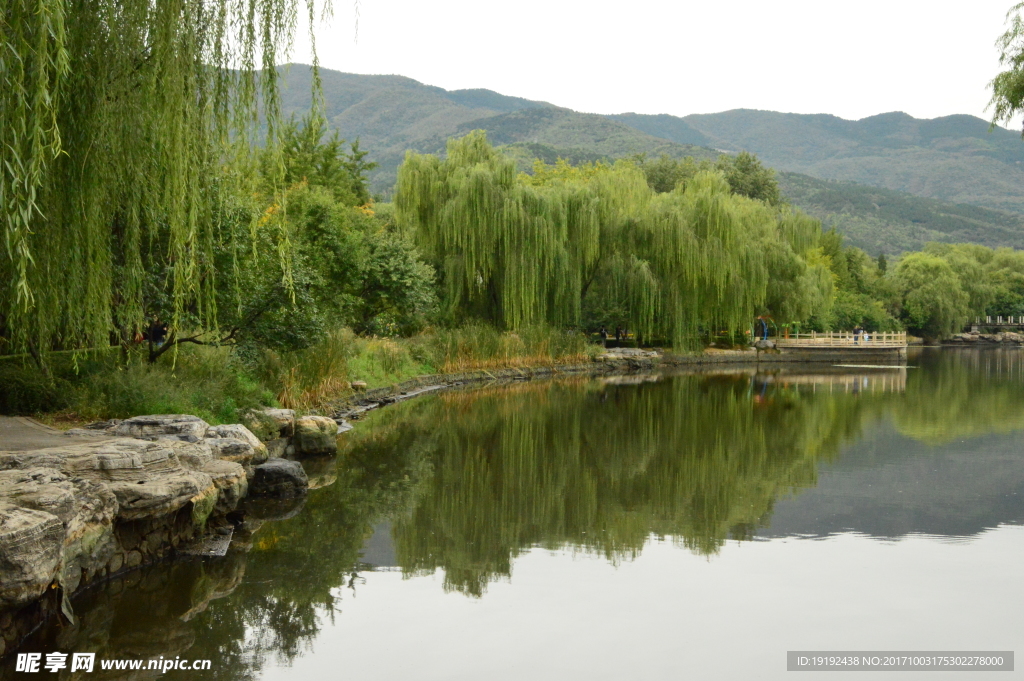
(479, 346)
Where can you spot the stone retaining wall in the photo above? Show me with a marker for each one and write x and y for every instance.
(615, 361)
(1006, 337)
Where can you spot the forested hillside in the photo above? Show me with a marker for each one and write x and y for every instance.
(953, 158)
(393, 114)
(886, 221)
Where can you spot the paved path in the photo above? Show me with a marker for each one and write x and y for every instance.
(18, 433)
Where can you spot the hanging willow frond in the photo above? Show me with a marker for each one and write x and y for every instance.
(119, 119)
(531, 250)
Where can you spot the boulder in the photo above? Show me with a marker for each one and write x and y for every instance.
(41, 489)
(280, 422)
(279, 478)
(146, 477)
(239, 432)
(82, 538)
(231, 482)
(315, 436)
(30, 553)
(230, 449)
(106, 426)
(192, 455)
(170, 426)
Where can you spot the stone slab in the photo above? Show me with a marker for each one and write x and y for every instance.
(20, 433)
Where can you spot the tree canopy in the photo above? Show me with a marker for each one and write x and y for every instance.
(586, 240)
(120, 120)
(1008, 85)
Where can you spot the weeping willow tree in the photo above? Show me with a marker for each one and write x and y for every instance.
(521, 250)
(119, 119)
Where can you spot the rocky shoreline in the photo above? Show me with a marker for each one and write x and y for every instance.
(124, 494)
(972, 338)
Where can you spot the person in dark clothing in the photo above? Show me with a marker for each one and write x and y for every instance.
(157, 332)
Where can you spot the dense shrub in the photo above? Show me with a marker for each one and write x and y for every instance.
(26, 390)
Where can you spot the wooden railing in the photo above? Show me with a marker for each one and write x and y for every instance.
(824, 339)
(999, 321)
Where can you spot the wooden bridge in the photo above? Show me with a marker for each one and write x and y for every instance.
(843, 339)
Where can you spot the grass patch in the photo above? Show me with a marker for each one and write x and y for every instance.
(214, 384)
(207, 382)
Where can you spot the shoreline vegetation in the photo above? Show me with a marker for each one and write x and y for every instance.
(215, 384)
(437, 284)
(226, 258)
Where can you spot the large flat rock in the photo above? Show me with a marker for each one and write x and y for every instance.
(60, 506)
(22, 433)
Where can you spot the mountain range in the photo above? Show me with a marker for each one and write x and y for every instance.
(889, 182)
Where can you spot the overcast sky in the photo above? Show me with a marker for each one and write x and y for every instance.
(853, 59)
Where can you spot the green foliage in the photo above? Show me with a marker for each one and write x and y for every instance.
(116, 122)
(852, 309)
(863, 296)
(934, 303)
(531, 250)
(1008, 86)
(27, 391)
(207, 382)
(396, 294)
(748, 177)
(744, 173)
(308, 157)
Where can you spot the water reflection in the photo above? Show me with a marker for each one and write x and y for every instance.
(463, 483)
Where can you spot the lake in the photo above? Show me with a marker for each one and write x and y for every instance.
(637, 527)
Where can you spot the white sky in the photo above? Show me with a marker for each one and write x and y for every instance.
(853, 59)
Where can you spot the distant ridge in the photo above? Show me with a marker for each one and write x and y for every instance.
(953, 158)
(876, 179)
(393, 114)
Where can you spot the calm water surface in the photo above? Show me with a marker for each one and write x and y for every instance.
(669, 527)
